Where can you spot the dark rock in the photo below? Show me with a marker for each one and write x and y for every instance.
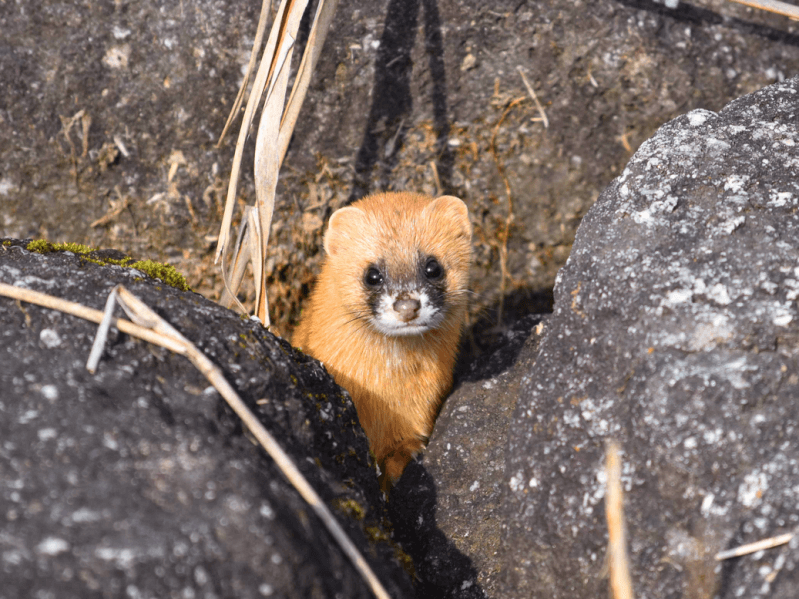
(674, 332)
(139, 481)
(444, 509)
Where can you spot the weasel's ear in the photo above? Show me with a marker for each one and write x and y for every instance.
(346, 225)
(451, 210)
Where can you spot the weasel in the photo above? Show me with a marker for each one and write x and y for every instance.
(386, 314)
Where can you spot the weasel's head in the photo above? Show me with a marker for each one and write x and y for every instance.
(401, 261)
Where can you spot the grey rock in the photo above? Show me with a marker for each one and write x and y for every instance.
(139, 481)
(674, 332)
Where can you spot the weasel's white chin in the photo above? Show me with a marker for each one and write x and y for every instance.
(401, 329)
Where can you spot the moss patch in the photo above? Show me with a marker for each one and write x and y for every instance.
(350, 507)
(43, 247)
(163, 272)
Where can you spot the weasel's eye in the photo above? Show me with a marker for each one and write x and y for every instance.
(373, 277)
(432, 269)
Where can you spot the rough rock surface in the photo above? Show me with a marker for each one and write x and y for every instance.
(139, 482)
(402, 84)
(676, 332)
(446, 504)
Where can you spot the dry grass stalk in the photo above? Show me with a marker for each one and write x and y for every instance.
(259, 39)
(620, 582)
(504, 233)
(754, 547)
(436, 178)
(267, 159)
(241, 258)
(781, 8)
(152, 328)
(313, 49)
(531, 91)
(117, 208)
(277, 123)
(81, 311)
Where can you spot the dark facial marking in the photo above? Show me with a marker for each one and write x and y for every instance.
(373, 282)
(433, 279)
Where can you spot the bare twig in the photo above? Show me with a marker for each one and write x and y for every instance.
(531, 91)
(121, 205)
(753, 547)
(153, 328)
(620, 582)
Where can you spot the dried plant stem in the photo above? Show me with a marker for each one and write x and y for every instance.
(313, 50)
(780, 8)
(114, 212)
(504, 233)
(278, 119)
(753, 547)
(261, 80)
(620, 583)
(241, 258)
(436, 178)
(267, 151)
(161, 333)
(531, 91)
(256, 46)
(81, 311)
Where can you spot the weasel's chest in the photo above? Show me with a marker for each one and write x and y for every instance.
(410, 377)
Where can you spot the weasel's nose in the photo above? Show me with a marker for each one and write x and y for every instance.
(407, 309)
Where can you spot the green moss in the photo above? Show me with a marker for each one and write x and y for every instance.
(377, 535)
(163, 272)
(43, 247)
(350, 507)
(40, 246)
(405, 561)
(156, 270)
(124, 262)
(75, 248)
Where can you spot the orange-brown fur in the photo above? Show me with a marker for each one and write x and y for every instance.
(396, 382)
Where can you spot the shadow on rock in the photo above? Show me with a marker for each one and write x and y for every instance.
(442, 571)
(503, 326)
(387, 123)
